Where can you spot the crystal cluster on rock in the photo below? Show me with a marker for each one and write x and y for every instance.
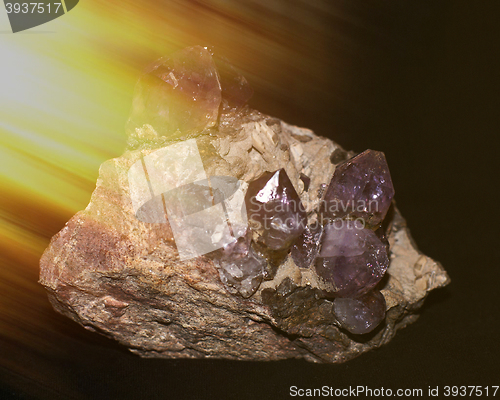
(276, 218)
(306, 255)
(342, 248)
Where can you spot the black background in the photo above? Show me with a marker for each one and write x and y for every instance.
(420, 82)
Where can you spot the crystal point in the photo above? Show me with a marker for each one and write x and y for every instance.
(274, 209)
(360, 188)
(178, 96)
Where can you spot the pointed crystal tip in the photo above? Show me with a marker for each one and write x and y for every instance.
(274, 209)
(181, 95)
(360, 188)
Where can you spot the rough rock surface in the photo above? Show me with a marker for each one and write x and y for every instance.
(122, 277)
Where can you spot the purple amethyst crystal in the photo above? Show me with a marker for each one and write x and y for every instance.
(275, 212)
(360, 315)
(352, 258)
(306, 248)
(241, 269)
(383, 238)
(360, 188)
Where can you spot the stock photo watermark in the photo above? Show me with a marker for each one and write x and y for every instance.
(25, 15)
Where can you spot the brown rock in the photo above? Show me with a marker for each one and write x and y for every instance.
(122, 277)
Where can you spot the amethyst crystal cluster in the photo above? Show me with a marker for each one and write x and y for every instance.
(345, 246)
(276, 219)
(342, 240)
(225, 233)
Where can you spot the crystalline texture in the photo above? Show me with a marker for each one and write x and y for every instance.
(351, 258)
(236, 90)
(240, 268)
(180, 95)
(274, 210)
(360, 188)
(306, 248)
(360, 315)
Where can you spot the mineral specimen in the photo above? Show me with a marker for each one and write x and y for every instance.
(213, 236)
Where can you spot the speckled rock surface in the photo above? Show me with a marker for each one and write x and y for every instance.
(119, 276)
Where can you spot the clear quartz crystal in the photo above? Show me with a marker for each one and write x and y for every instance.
(306, 248)
(181, 95)
(178, 96)
(241, 269)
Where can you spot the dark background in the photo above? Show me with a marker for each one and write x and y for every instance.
(417, 80)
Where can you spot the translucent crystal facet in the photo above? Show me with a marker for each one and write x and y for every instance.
(352, 258)
(360, 188)
(275, 212)
(179, 95)
(240, 268)
(236, 90)
(306, 248)
(360, 315)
